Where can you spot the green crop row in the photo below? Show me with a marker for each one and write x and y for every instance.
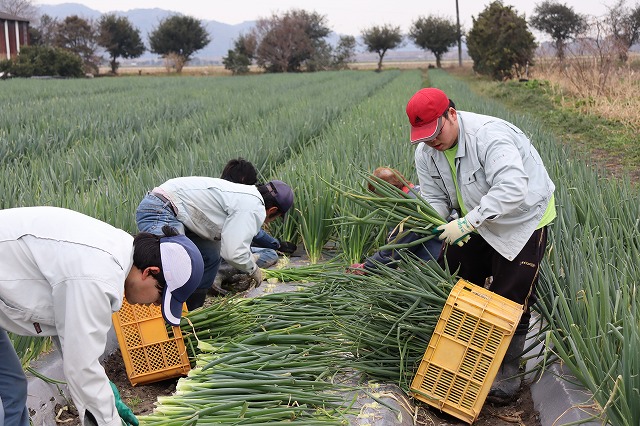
(98, 146)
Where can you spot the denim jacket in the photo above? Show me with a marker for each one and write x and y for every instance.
(502, 180)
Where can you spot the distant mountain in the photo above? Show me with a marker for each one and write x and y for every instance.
(63, 10)
(146, 20)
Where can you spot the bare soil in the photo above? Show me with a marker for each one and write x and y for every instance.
(141, 398)
(520, 412)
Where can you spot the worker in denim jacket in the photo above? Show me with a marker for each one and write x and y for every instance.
(264, 245)
(220, 217)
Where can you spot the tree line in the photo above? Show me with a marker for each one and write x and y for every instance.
(500, 42)
(69, 47)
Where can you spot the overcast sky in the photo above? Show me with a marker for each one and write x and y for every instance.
(343, 16)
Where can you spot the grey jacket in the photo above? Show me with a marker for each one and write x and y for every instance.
(502, 180)
(219, 210)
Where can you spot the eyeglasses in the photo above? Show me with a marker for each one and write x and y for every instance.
(442, 120)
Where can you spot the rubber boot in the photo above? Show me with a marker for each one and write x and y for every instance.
(196, 300)
(507, 382)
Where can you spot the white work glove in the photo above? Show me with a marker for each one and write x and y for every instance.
(257, 276)
(456, 232)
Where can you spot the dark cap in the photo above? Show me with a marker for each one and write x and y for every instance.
(282, 193)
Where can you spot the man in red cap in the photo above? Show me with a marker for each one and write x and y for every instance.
(488, 171)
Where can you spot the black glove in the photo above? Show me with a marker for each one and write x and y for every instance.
(287, 247)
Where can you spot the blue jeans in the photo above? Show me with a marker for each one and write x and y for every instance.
(429, 250)
(153, 213)
(263, 239)
(13, 385)
(266, 256)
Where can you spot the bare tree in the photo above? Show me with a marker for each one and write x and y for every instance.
(43, 32)
(289, 42)
(624, 24)
(22, 8)
(591, 61)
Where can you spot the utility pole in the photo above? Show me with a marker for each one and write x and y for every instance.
(459, 36)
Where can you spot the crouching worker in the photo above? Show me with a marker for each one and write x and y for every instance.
(63, 275)
(220, 217)
(429, 250)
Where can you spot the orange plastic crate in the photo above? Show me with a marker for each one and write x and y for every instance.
(466, 350)
(149, 352)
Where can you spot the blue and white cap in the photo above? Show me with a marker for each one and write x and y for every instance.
(182, 267)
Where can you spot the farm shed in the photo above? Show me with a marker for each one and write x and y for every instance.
(14, 32)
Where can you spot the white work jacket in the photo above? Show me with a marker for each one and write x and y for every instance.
(63, 275)
(502, 180)
(217, 209)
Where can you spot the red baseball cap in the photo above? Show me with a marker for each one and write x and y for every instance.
(425, 109)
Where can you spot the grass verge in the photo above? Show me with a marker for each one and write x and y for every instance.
(599, 141)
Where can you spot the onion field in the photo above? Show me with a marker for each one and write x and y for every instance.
(98, 145)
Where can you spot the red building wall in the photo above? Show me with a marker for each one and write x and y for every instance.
(14, 33)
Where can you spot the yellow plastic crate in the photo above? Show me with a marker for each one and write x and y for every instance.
(466, 350)
(150, 354)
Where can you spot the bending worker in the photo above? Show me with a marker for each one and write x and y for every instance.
(488, 170)
(64, 274)
(220, 217)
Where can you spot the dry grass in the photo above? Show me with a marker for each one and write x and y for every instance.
(596, 85)
(209, 70)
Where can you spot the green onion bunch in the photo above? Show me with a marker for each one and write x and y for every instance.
(302, 273)
(396, 311)
(390, 207)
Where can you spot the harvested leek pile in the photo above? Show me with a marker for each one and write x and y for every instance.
(395, 314)
(283, 272)
(292, 357)
(258, 378)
